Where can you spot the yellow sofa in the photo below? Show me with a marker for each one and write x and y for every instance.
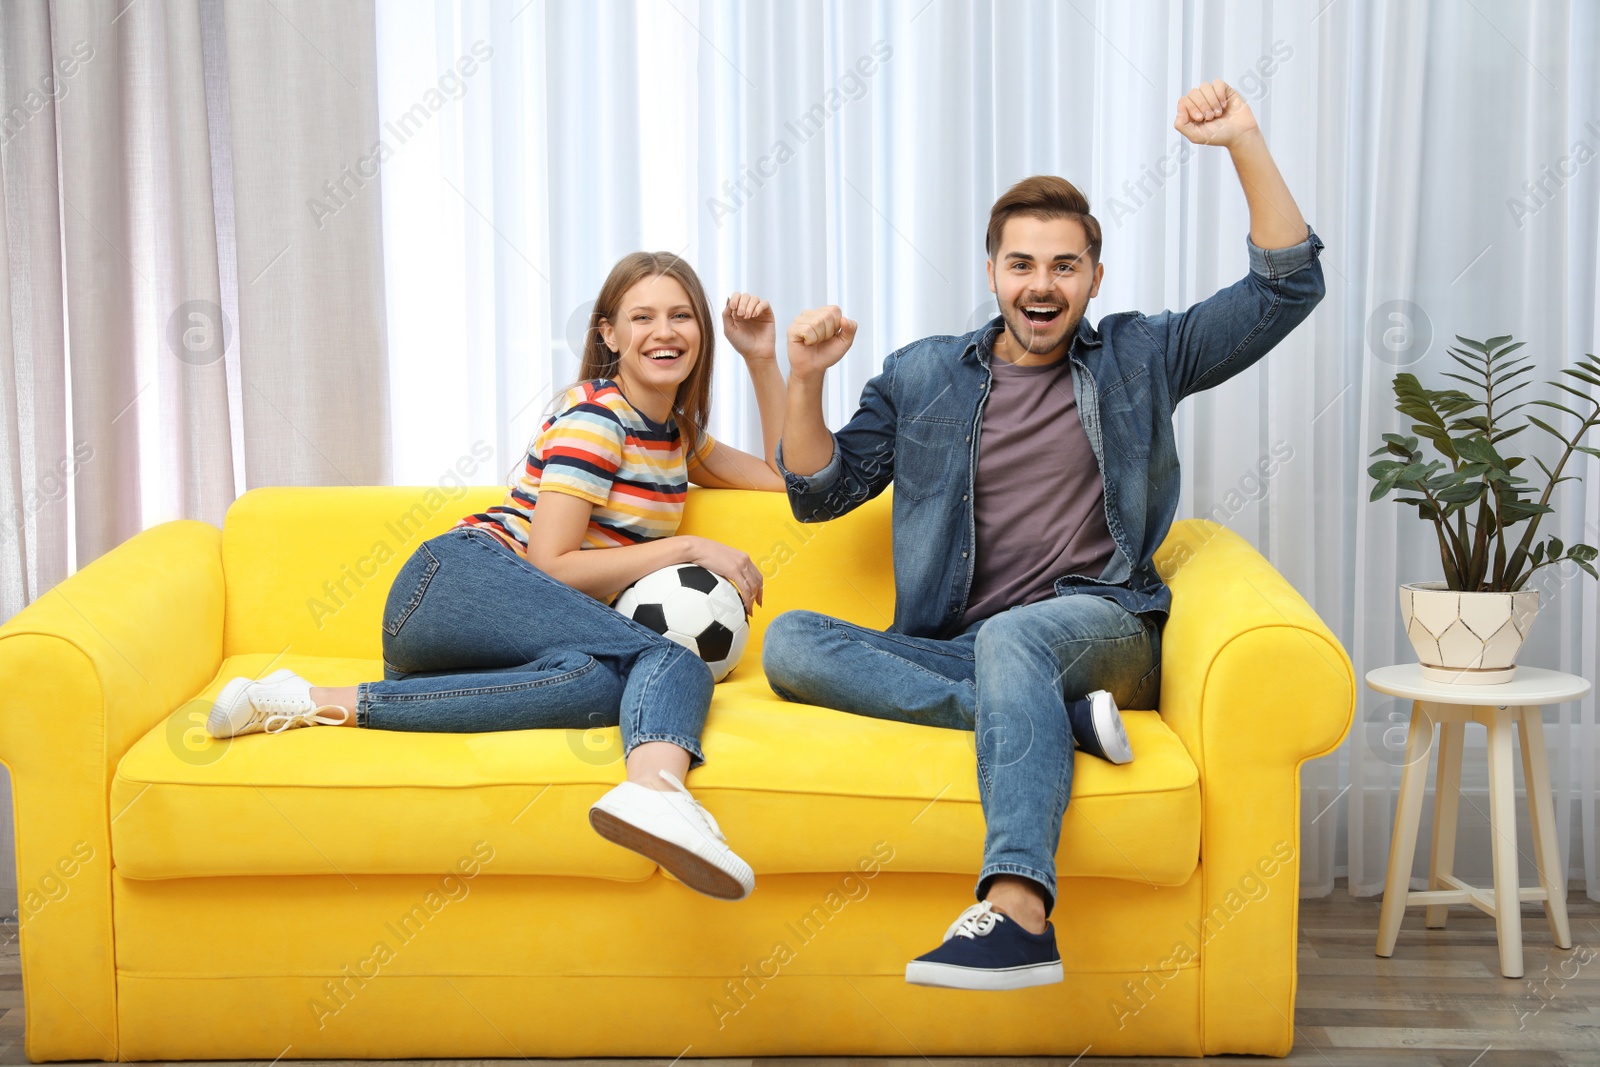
(343, 893)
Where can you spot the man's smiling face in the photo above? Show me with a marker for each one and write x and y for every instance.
(1042, 277)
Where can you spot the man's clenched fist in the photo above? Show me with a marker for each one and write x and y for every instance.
(1212, 113)
(818, 339)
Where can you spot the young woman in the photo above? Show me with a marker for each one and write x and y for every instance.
(502, 623)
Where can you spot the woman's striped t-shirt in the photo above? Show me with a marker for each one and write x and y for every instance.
(598, 448)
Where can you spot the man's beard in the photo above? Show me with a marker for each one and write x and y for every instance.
(1027, 335)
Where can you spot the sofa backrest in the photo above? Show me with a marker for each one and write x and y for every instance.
(308, 569)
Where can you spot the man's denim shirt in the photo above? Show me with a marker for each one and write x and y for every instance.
(920, 420)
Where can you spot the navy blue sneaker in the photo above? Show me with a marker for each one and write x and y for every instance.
(1097, 727)
(985, 950)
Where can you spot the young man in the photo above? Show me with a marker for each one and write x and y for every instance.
(1035, 475)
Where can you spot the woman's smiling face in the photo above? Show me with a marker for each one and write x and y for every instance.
(657, 341)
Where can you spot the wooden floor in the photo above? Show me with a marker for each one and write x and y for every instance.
(1440, 1001)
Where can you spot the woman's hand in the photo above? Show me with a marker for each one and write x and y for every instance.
(749, 326)
(731, 564)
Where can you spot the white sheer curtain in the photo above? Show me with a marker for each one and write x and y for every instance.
(848, 152)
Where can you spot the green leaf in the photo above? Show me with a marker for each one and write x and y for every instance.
(1583, 553)
(1383, 485)
(1558, 406)
(1497, 438)
(1462, 494)
(1415, 401)
(1395, 445)
(1577, 393)
(1524, 369)
(1547, 428)
(1436, 483)
(1478, 346)
(1439, 440)
(1520, 510)
(1495, 342)
(1479, 423)
(1477, 450)
(1555, 547)
(1586, 565)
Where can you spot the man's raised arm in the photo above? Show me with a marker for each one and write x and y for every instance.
(828, 474)
(817, 340)
(1234, 327)
(1213, 114)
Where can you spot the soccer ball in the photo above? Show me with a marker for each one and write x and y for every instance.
(701, 611)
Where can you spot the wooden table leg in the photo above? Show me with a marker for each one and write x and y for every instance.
(1541, 820)
(1446, 806)
(1503, 837)
(1407, 814)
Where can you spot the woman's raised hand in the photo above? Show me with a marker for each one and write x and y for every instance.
(749, 326)
(732, 564)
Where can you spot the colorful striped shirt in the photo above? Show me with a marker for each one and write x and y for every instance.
(599, 448)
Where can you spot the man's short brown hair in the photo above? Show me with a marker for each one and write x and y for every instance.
(1043, 196)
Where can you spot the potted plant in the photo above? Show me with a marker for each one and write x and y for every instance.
(1468, 628)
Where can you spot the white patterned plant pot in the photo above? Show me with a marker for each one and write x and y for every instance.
(1466, 638)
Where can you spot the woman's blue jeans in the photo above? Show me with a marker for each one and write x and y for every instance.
(476, 638)
(1008, 678)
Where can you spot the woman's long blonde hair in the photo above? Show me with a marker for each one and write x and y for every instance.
(693, 403)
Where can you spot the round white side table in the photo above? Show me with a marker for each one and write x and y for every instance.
(1497, 707)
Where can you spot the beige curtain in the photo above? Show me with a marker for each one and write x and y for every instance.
(179, 321)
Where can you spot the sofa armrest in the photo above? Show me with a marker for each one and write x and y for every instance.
(86, 670)
(1254, 684)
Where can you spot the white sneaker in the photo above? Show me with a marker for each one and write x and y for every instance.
(672, 829)
(1097, 727)
(278, 702)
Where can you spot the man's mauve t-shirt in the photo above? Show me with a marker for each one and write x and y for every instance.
(1040, 508)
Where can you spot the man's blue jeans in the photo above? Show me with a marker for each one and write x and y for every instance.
(1008, 678)
(476, 638)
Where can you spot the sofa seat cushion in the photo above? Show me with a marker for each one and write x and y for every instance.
(797, 789)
